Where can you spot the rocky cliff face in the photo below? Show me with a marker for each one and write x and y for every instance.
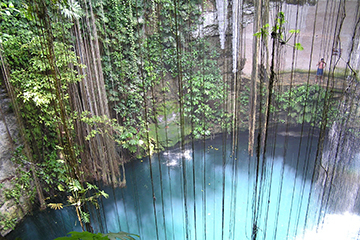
(11, 209)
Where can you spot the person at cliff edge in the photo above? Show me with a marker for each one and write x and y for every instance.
(320, 71)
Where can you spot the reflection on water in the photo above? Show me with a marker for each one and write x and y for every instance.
(209, 193)
(336, 226)
(174, 157)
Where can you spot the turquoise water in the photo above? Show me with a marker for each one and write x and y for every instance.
(210, 192)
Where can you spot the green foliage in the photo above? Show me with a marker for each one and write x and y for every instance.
(298, 46)
(52, 171)
(99, 236)
(263, 31)
(39, 88)
(129, 138)
(7, 9)
(78, 196)
(71, 9)
(141, 54)
(33, 81)
(125, 84)
(22, 182)
(84, 236)
(278, 32)
(203, 87)
(201, 77)
(305, 103)
(21, 187)
(7, 222)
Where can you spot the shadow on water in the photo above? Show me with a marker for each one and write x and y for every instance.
(47, 224)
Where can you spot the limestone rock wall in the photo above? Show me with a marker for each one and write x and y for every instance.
(11, 210)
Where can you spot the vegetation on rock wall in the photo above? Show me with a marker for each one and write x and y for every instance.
(141, 65)
(92, 85)
(95, 84)
(303, 104)
(99, 236)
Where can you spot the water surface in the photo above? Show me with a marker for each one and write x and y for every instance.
(209, 190)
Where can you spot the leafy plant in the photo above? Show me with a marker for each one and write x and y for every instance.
(278, 32)
(71, 9)
(6, 9)
(21, 184)
(98, 236)
(304, 103)
(78, 196)
(139, 59)
(7, 222)
(129, 138)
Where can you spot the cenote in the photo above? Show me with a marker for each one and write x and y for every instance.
(181, 119)
(213, 189)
